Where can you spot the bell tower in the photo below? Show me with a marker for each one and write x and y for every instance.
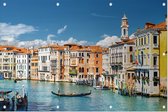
(124, 28)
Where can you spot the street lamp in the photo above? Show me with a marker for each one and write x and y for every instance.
(164, 53)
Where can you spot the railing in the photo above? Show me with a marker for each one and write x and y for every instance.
(43, 71)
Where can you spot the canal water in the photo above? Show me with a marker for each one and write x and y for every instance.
(40, 98)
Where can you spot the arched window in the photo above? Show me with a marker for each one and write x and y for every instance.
(124, 31)
(79, 69)
(131, 58)
(142, 57)
(82, 69)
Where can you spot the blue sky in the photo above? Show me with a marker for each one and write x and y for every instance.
(82, 19)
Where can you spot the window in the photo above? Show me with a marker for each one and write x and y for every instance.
(125, 58)
(97, 70)
(144, 40)
(148, 39)
(43, 59)
(97, 62)
(148, 74)
(155, 61)
(132, 74)
(124, 31)
(130, 48)
(97, 55)
(87, 60)
(142, 59)
(128, 75)
(155, 75)
(154, 39)
(82, 69)
(44, 68)
(131, 58)
(141, 41)
(88, 55)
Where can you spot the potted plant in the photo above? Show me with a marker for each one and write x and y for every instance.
(156, 79)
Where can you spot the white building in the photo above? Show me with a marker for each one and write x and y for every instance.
(106, 77)
(7, 62)
(51, 63)
(23, 65)
(121, 58)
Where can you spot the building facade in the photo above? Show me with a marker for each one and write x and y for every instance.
(105, 65)
(34, 65)
(148, 52)
(23, 65)
(7, 62)
(163, 61)
(122, 59)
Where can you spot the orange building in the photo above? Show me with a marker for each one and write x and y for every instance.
(8, 60)
(34, 65)
(85, 62)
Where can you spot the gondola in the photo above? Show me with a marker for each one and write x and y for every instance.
(5, 92)
(72, 94)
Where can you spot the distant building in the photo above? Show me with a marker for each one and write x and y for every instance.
(122, 59)
(34, 65)
(85, 62)
(51, 63)
(7, 61)
(23, 65)
(105, 65)
(95, 64)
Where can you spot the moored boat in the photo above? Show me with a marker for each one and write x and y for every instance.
(71, 94)
(4, 100)
(5, 92)
(101, 88)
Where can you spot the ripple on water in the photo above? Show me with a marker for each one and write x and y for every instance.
(40, 98)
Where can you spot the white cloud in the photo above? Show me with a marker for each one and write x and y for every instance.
(102, 16)
(39, 42)
(61, 30)
(49, 37)
(108, 40)
(10, 32)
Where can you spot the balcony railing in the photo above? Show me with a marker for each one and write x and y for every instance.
(43, 71)
(73, 72)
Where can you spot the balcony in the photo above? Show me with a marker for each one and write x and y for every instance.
(43, 71)
(155, 66)
(156, 79)
(116, 63)
(43, 61)
(53, 64)
(73, 72)
(117, 67)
